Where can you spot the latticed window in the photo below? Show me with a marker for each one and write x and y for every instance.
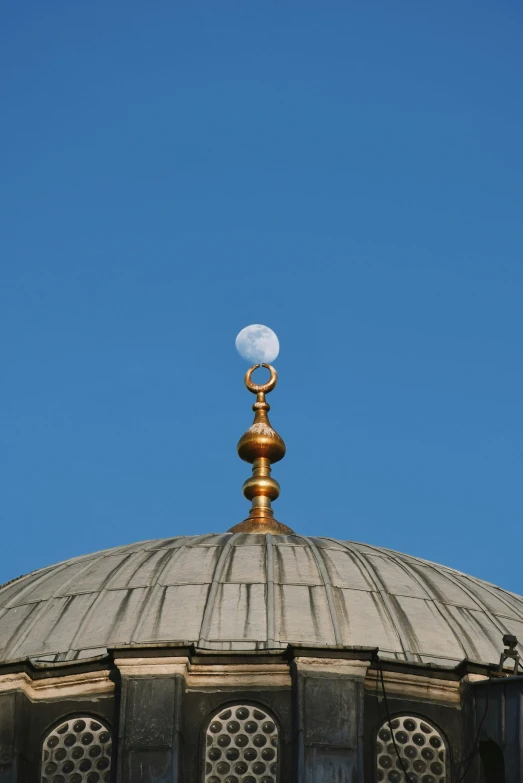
(77, 751)
(412, 750)
(241, 746)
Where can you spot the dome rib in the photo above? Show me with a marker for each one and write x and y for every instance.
(439, 606)
(328, 588)
(395, 619)
(498, 593)
(480, 604)
(451, 576)
(501, 595)
(271, 601)
(29, 585)
(97, 603)
(32, 620)
(152, 598)
(213, 590)
(24, 629)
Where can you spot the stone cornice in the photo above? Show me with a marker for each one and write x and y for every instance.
(151, 667)
(329, 667)
(71, 685)
(206, 669)
(416, 687)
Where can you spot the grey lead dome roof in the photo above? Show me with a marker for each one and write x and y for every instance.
(252, 592)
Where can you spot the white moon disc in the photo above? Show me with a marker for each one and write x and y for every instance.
(258, 344)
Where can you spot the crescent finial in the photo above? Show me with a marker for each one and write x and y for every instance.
(261, 388)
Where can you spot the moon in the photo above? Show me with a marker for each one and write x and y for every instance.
(257, 344)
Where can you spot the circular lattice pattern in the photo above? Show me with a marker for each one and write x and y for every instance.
(241, 747)
(77, 751)
(421, 748)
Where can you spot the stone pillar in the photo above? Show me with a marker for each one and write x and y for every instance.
(329, 699)
(150, 742)
(13, 733)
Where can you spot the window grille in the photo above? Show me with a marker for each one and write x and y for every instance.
(421, 747)
(77, 751)
(241, 746)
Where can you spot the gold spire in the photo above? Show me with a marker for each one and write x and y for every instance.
(260, 446)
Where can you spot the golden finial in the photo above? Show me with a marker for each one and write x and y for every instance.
(260, 446)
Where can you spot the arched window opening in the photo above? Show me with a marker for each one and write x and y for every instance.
(492, 762)
(420, 747)
(241, 744)
(77, 751)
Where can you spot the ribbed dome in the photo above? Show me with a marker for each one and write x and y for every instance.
(247, 592)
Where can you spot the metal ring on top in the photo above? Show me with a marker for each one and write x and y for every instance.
(264, 388)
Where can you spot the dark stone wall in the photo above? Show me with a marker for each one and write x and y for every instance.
(14, 729)
(497, 708)
(328, 726)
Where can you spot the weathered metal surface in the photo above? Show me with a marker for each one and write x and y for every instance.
(247, 592)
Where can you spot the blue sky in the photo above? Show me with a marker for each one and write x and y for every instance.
(350, 174)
